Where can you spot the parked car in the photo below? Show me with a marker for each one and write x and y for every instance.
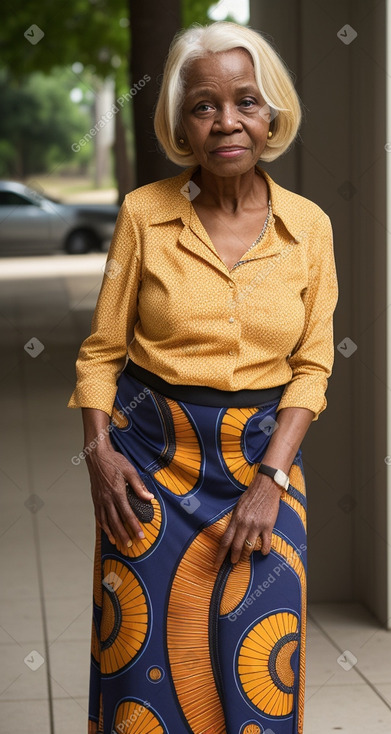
(32, 223)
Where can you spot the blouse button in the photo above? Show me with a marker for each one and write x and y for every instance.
(231, 352)
(231, 319)
(231, 285)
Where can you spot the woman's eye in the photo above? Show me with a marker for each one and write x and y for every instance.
(205, 106)
(201, 107)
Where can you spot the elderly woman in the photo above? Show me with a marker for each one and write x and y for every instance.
(209, 357)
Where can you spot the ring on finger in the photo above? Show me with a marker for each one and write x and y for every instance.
(249, 543)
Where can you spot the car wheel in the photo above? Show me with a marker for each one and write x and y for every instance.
(81, 241)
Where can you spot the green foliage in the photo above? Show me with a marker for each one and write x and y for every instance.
(196, 11)
(92, 32)
(39, 123)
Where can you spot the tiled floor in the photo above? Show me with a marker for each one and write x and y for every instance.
(341, 697)
(47, 534)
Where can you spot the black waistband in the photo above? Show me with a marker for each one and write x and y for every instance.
(202, 395)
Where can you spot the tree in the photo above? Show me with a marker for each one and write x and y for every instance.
(97, 34)
(196, 11)
(93, 34)
(149, 48)
(38, 124)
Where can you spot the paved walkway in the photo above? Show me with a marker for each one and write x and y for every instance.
(47, 531)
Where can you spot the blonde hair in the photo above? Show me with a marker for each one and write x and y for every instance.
(271, 74)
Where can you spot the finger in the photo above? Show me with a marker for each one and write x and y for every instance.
(104, 524)
(128, 504)
(120, 533)
(238, 545)
(247, 549)
(135, 481)
(123, 488)
(223, 547)
(266, 542)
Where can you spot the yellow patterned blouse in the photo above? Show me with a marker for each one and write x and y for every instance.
(168, 300)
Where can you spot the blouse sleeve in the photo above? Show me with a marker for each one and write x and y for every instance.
(313, 357)
(102, 355)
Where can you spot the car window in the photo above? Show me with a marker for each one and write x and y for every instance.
(9, 198)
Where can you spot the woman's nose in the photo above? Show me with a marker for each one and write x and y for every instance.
(227, 118)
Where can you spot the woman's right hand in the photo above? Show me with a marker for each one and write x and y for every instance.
(109, 471)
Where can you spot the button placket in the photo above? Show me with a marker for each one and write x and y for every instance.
(232, 305)
(231, 300)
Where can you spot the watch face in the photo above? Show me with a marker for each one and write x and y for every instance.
(281, 478)
(277, 474)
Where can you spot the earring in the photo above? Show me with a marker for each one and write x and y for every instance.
(269, 135)
(181, 141)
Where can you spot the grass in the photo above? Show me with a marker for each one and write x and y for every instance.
(70, 188)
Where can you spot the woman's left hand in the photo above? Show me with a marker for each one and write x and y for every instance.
(254, 515)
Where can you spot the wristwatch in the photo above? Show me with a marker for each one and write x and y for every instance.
(278, 475)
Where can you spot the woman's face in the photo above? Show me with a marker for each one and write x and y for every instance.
(223, 108)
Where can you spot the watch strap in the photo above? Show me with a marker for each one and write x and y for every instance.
(278, 475)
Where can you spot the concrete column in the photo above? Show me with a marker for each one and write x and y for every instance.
(339, 161)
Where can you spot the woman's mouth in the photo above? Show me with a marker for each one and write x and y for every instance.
(229, 151)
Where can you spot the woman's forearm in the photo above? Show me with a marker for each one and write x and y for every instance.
(293, 424)
(95, 424)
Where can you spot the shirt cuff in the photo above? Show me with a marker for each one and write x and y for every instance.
(305, 393)
(97, 395)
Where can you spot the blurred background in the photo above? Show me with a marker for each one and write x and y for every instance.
(71, 121)
(78, 87)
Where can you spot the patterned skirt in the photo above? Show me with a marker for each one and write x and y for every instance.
(177, 646)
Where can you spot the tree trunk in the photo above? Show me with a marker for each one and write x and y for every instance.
(152, 25)
(104, 99)
(124, 173)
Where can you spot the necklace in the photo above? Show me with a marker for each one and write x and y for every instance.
(269, 211)
(259, 236)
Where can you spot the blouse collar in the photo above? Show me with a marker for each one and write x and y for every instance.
(175, 202)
